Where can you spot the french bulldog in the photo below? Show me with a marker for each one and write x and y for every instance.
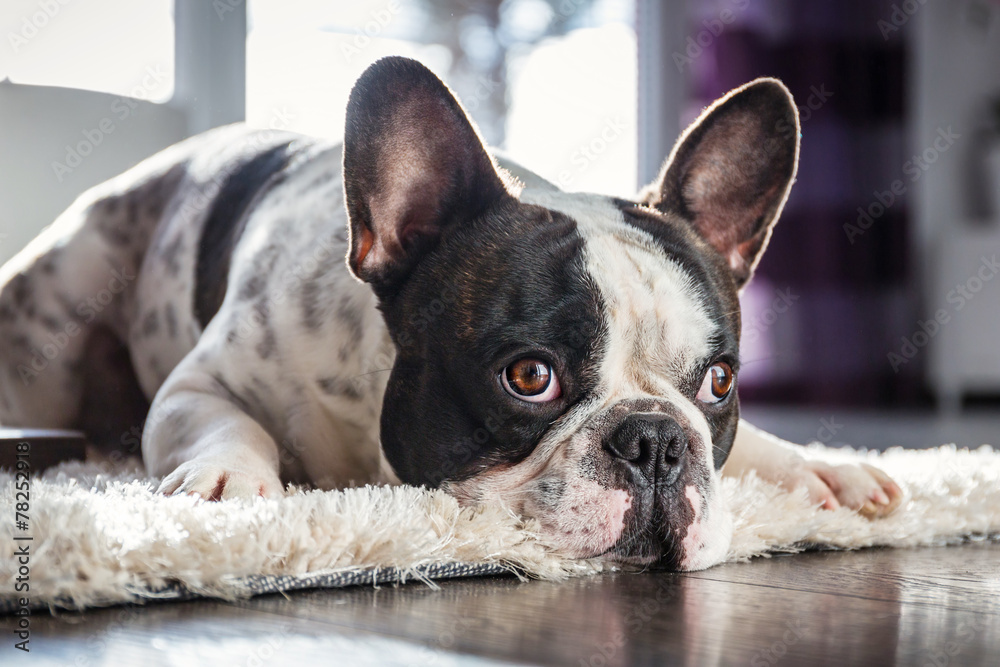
(574, 357)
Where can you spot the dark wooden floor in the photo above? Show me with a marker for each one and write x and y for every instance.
(934, 607)
(931, 606)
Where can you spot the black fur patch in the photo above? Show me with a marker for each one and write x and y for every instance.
(456, 326)
(311, 295)
(332, 386)
(171, 317)
(228, 393)
(22, 289)
(170, 255)
(50, 323)
(226, 222)
(265, 348)
(151, 323)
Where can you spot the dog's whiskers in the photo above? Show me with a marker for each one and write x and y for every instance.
(766, 357)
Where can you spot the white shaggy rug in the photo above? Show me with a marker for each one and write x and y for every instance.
(101, 538)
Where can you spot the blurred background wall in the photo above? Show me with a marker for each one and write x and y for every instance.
(877, 290)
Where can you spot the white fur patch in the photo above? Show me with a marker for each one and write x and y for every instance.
(657, 324)
(705, 544)
(592, 519)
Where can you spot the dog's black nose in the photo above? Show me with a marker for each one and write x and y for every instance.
(648, 440)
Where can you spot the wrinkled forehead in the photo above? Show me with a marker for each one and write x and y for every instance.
(661, 322)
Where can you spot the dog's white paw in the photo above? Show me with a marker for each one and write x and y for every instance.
(216, 481)
(860, 487)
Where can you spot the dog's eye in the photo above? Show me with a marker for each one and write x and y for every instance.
(531, 380)
(717, 384)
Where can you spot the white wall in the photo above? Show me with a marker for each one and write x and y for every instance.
(41, 125)
(955, 70)
(44, 128)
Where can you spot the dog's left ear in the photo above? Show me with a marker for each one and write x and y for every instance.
(731, 171)
(414, 165)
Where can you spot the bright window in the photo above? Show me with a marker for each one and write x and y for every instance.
(572, 96)
(573, 110)
(123, 47)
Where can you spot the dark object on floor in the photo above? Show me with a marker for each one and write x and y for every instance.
(41, 448)
(929, 606)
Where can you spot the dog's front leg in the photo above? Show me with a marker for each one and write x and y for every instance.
(199, 435)
(860, 486)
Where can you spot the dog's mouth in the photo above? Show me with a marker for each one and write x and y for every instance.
(646, 555)
(636, 488)
(654, 532)
(672, 528)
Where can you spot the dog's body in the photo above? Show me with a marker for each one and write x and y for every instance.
(546, 349)
(297, 336)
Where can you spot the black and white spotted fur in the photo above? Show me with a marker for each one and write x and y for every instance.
(210, 281)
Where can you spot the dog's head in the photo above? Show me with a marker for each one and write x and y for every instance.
(572, 356)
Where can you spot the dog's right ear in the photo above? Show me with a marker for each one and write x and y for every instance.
(414, 164)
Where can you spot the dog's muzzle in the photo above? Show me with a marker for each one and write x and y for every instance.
(654, 456)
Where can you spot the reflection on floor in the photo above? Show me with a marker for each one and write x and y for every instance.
(877, 430)
(933, 606)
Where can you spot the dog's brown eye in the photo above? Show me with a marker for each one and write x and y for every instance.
(531, 380)
(717, 384)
